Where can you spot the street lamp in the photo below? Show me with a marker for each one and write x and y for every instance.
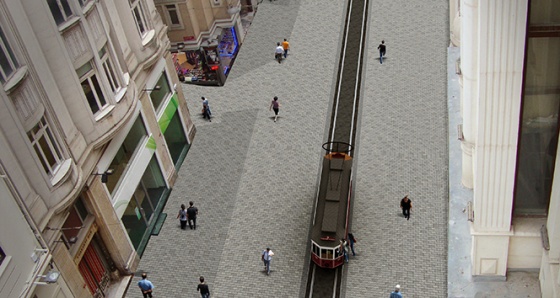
(72, 240)
(50, 278)
(105, 175)
(156, 88)
(65, 229)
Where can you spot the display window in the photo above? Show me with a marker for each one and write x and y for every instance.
(176, 140)
(139, 216)
(209, 65)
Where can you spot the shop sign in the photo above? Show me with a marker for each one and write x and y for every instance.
(151, 143)
(168, 113)
(138, 214)
(85, 243)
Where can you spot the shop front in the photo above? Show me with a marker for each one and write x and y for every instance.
(81, 237)
(211, 62)
(147, 201)
(94, 267)
(145, 155)
(137, 184)
(171, 125)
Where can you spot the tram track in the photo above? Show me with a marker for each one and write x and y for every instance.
(349, 77)
(322, 282)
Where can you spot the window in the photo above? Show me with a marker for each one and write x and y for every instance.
(159, 96)
(92, 89)
(125, 153)
(139, 16)
(109, 68)
(2, 256)
(81, 209)
(74, 222)
(150, 193)
(83, 2)
(60, 10)
(173, 18)
(538, 140)
(45, 146)
(8, 62)
(176, 140)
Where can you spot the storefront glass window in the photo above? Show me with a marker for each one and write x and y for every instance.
(139, 216)
(153, 182)
(121, 160)
(143, 201)
(134, 222)
(197, 66)
(159, 96)
(538, 139)
(176, 140)
(228, 49)
(73, 223)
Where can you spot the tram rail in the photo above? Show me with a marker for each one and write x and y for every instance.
(324, 282)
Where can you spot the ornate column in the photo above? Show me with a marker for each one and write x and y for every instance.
(469, 92)
(455, 22)
(501, 43)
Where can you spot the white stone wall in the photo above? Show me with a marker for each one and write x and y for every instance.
(492, 56)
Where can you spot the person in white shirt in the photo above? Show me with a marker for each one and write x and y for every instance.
(279, 52)
(267, 257)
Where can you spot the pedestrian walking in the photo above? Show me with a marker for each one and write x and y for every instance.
(275, 105)
(406, 206)
(206, 112)
(344, 248)
(146, 286)
(278, 52)
(182, 216)
(396, 293)
(286, 47)
(203, 288)
(267, 258)
(382, 49)
(192, 212)
(352, 241)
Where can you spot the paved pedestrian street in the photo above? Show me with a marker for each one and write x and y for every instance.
(403, 149)
(254, 180)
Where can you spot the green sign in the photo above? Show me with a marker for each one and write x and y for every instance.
(170, 110)
(138, 214)
(151, 143)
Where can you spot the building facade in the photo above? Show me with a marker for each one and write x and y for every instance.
(93, 130)
(205, 36)
(510, 101)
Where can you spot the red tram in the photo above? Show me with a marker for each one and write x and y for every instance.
(332, 207)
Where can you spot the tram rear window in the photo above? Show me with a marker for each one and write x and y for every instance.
(326, 254)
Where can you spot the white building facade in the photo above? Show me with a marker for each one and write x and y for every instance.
(93, 130)
(510, 102)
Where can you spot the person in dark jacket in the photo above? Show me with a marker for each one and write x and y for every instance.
(203, 288)
(352, 240)
(406, 206)
(192, 212)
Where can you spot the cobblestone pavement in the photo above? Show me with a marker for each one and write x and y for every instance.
(403, 149)
(254, 180)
